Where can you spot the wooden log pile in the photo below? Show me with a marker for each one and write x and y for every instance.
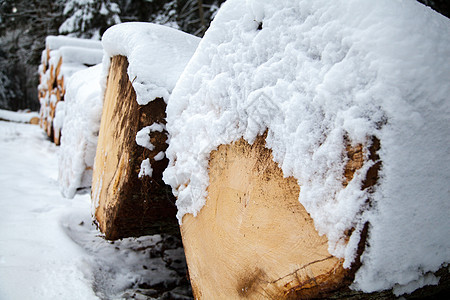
(130, 197)
(251, 235)
(62, 57)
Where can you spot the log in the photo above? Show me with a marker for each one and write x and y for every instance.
(34, 120)
(127, 205)
(61, 51)
(253, 239)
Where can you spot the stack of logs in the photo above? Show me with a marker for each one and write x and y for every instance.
(62, 57)
(252, 229)
(252, 239)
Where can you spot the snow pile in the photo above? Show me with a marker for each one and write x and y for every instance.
(81, 123)
(14, 116)
(315, 74)
(156, 55)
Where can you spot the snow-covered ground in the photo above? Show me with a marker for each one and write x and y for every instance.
(49, 248)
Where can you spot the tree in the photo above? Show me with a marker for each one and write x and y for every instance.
(192, 16)
(23, 28)
(89, 18)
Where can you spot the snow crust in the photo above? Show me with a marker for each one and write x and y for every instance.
(81, 123)
(156, 55)
(315, 74)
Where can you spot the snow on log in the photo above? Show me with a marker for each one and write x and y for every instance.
(341, 106)
(62, 57)
(142, 64)
(19, 116)
(80, 122)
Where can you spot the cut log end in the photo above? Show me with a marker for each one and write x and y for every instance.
(129, 205)
(253, 239)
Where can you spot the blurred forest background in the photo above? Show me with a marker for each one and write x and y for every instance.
(24, 24)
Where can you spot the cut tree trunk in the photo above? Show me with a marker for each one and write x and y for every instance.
(253, 239)
(129, 205)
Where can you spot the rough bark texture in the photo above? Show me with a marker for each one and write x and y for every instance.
(128, 205)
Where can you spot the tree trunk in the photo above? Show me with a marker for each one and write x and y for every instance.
(129, 205)
(253, 239)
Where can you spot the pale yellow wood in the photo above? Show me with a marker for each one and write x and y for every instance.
(129, 205)
(253, 239)
(109, 167)
(34, 120)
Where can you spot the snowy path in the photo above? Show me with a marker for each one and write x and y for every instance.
(49, 248)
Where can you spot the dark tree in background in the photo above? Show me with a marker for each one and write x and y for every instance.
(192, 16)
(24, 24)
(441, 6)
(89, 19)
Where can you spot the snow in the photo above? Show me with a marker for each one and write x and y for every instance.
(82, 114)
(58, 120)
(55, 42)
(81, 55)
(146, 168)
(315, 74)
(159, 156)
(156, 55)
(21, 117)
(71, 55)
(49, 248)
(74, 59)
(143, 138)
